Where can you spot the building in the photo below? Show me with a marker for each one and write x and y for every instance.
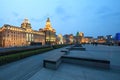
(59, 39)
(101, 40)
(71, 38)
(12, 36)
(87, 39)
(109, 40)
(117, 39)
(50, 33)
(79, 37)
(68, 39)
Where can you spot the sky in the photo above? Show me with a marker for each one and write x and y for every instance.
(92, 17)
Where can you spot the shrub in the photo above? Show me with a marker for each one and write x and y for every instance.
(21, 55)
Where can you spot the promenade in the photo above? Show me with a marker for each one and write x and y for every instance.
(31, 68)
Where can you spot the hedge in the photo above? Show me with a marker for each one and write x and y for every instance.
(59, 46)
(26, 53)
(23, 49)
(21, 55)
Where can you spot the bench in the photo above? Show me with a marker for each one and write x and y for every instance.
(77, 45)
(53, 61)
(78, 48)
(105, 64)
(66, 51)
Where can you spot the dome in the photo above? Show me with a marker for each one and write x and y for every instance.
(26, 20)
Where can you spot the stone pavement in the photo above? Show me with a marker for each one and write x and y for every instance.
(77, 72)
(31, 68)
(25, 68)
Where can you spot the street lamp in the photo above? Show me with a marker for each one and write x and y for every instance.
(45, 36)
(49, 38)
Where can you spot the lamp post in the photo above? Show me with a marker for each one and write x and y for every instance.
(49, 38)
(45, 36)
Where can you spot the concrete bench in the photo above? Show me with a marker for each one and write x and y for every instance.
(78, 48)
(87, 61)
(77, 45)
(66, 51)
(53, 61)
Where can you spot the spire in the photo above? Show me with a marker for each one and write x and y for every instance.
(48, 26)
(48, 20)
(77, 34)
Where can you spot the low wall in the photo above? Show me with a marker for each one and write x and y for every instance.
(86, 62)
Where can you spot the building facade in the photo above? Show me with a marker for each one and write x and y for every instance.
(68, 39)
(50, 33)
(87, 40)
(117, 39)
(59, 39)
(101, 40)
(12, 36)
(79, 37)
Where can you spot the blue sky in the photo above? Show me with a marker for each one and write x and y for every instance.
(92, 17)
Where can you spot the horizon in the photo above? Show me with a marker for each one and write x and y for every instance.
(67, 17)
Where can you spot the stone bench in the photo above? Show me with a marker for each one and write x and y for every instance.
(53, 61)
(76, 48)
(66, 51)
(77, 45)
(87, 61)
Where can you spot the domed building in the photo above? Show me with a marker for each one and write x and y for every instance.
(50, 33)
(59, 39)
(79, 37)
(12, 36)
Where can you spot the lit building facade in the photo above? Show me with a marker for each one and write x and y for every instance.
(87, 40)
(101, 40)
(79, 37)
(68, 39)
(60, 39)
(117, 39)
(50, 33)
(109, 40)
(11, 36)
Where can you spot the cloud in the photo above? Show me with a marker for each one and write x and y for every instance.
(106, 12)
(35, 20)
(63, 14)
(114, 14)
(60, 10)
(1, 22)
(111, 15)
(20, 20)
(44, 18)
(103, 10)
(15, 14)
(67, 17)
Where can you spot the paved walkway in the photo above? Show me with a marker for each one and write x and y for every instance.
(77, 72)
(25, 68)
(111, 53)
(31, 68)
